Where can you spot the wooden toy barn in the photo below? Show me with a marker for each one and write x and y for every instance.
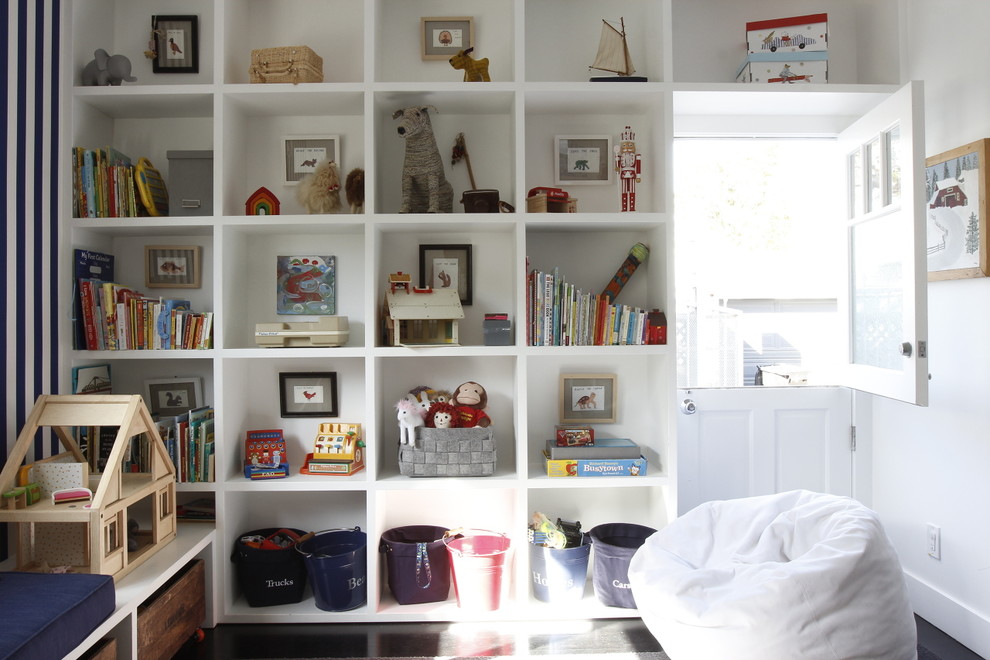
(421, 318)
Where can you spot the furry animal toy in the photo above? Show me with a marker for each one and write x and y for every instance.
(425, 188)
(319, 192)
(409, 416)
(354, 190)
(470, 399)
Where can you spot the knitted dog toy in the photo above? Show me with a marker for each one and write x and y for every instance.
(425, 188)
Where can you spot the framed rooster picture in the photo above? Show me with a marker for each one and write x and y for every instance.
(308, 394)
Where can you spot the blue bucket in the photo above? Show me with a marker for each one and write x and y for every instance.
(559, 574)
(337, 561)
(615, 544)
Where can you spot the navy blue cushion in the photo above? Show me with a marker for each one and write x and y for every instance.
(46, 616)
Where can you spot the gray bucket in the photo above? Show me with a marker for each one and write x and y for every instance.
(559, 574)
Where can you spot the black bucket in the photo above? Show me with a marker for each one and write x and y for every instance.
(418, 563)
(559, 574)
(615, 544)
(269, 577)
(337, 561)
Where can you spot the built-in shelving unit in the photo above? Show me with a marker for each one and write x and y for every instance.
(539, 52)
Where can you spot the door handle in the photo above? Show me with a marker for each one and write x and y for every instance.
(688, 407)
(906, 349)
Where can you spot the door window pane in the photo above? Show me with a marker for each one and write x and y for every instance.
(895, 155)
(877, 294)
(874, 158)
(856, 184)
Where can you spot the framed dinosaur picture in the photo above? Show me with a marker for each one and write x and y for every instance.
(587, 398)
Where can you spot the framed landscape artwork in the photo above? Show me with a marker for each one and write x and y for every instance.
(956, 213)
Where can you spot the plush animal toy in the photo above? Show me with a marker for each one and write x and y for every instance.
(425, 188)
(474, 70)
(319, 192)
(470, 399)
(420, 396)
(354, 189)
(409, 417)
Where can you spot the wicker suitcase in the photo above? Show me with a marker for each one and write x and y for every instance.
(286, 64)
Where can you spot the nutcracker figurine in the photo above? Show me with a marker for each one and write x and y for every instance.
(629, 165)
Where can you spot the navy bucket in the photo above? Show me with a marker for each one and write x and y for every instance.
(337, 561)
(559, 574)
(615, 544)
(418, 563)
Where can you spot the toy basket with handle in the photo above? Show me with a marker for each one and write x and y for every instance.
(286, 64)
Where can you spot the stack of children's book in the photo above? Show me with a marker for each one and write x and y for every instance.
(592, 457)
(103, 184)
(189, 441)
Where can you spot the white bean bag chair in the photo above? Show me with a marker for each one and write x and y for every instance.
(794, 576)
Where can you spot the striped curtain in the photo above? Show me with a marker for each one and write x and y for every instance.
(29, 185)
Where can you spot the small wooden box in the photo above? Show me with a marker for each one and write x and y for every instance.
(286, 64)
(170, 617)
(540, 204)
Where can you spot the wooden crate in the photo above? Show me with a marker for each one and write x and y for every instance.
(172, 614)
(286, 64)
(105, 649)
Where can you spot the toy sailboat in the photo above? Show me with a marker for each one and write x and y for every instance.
(613, 55)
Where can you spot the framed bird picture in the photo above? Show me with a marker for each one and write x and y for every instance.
(174, 44)
(308, 394)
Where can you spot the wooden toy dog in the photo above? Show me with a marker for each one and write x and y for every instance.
(474, 70)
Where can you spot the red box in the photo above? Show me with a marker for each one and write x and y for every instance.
(574, 435)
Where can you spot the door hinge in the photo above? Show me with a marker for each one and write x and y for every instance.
(852, 438)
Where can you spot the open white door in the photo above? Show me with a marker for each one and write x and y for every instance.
(885, 304)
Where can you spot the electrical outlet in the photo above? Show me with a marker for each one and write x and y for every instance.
(934, 542)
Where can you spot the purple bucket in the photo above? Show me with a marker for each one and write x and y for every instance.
(418, 563)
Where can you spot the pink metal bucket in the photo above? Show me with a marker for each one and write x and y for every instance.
(477, 559)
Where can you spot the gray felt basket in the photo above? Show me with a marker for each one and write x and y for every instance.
(449, 453)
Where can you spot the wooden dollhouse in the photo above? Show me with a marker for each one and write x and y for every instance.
(131, 514)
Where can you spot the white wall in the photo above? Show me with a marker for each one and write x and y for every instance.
(932, 465)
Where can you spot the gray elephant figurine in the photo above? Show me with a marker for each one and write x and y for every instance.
(107, 69)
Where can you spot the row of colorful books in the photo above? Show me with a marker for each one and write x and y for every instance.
(103, 184)
(560, 314)
(116, 318)
(189, 441)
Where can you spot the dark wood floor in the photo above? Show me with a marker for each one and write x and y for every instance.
(243, 641)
